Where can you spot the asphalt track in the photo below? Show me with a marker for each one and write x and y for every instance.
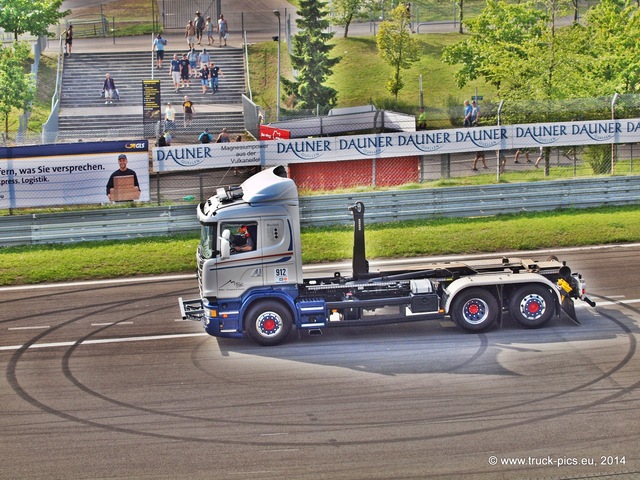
(103, 380)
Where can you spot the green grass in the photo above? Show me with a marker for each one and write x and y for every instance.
(359, 54)
(163, 255)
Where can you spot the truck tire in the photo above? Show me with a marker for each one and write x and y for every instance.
(474, 310)
(532, 306)
(269, 323)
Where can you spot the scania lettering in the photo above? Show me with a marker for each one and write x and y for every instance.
(251, 281)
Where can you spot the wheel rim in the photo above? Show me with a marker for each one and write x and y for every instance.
(532, 306)
(475, 311)
(269, 324)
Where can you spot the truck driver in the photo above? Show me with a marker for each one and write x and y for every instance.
(242, 241)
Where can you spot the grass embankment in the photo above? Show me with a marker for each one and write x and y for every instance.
(360, 55)
(154, 256)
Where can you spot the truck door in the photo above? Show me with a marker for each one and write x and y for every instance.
(242, 270)
(279, 265)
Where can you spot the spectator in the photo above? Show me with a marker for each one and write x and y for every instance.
(169, 117)
(210, 26)
(223, 137)
(175, 71)
(192, 56)
(158, 45)
(239, 138)
(422, 119)
(526, 155)
(188, 111)
(479, 156)
(190, 34)
(204, 58)
(204, 77)
(475, 114)
(184, 71)
(199, 24)
(205, 137)
(223, 30)
(109, 89)
(467, 113)
(168, 137)
(162, 140)
(215, 72)
(540, 157)
(502, 161)
(68, 40)
(408, 13)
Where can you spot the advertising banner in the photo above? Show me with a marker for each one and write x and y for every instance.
(151, 103)
(75, 173)
(385, 145)
(272, 133)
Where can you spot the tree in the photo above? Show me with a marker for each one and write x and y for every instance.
(310, 58)
(17, 87)
(32, 16)
(611, 60)
(344, 11)
(501, 40)
(396, 46)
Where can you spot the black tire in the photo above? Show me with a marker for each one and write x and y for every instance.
(475, 310)
(269, 323)
(532, 305)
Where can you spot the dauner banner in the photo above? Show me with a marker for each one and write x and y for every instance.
(397, 144)
(77, 173)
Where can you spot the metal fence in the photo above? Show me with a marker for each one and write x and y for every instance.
(330, 210)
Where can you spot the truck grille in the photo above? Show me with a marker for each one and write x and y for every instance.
(200, 274)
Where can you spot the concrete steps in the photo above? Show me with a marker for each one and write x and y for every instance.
(84, 115)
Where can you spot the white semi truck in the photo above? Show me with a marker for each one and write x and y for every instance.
(251, 281)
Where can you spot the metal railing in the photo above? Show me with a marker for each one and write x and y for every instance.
(326, 210)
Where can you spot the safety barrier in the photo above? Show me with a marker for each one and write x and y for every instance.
(388, 206)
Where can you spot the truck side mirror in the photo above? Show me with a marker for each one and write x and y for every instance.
(225, 244)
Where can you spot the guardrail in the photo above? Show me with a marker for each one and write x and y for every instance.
(397, 205)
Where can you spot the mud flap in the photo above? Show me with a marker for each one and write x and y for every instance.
(569, 308)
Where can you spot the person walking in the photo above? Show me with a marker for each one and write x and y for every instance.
(68, 40)
(223, 137)
(422, 119)
(475, 114)
(169, 117)
(467, 113)
(190, 34)
(175, 71)
(198, 21)
(209, 25)
(479, 156)
(184, 71)
(204, 58)
(205, 137)
(192, 56)
(204, 77)
(109, 89)
(158, 45)
(526, 155)
(223, 30)
(214, 73)
(188, 111)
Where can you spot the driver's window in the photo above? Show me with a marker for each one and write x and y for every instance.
(243, 236)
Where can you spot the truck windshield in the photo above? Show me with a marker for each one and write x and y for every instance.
(207, 240)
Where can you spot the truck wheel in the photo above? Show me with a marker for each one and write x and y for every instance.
(269, 323)
(532, 306)
(474, 310)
